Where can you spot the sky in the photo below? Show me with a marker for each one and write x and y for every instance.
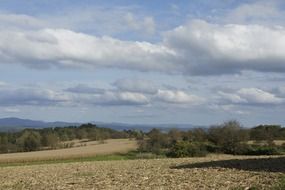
(200, 62)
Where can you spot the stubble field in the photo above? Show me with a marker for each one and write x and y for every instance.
(212, 172)
(92, 148)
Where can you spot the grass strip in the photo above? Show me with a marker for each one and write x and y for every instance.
(126, 156)
(119, 156)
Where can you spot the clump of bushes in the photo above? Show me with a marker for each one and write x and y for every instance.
(229, 138)
(263, 150)
(187, 149)
(157, 142)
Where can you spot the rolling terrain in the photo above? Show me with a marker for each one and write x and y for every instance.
(80, 150)
(16, 124)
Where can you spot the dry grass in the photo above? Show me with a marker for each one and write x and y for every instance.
(93, 148)
(277, 142)
(186, 173)
(79, 143)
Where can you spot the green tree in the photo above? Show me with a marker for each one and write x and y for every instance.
(29, 140)
(157, 141)
(267, 133)
(174, 136)
(81, 134)
(50, 140)
(199, 135)
(4, 139)
(230, 137)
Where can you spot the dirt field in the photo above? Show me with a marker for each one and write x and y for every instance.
(93, 148)
(212, 172)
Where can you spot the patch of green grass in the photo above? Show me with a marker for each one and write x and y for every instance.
(280, 185)
(67, 160)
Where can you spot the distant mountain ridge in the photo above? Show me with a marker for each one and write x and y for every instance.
(146, 127)
(13, 123)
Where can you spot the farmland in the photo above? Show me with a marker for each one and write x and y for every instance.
(197, 159)
(90, 148)
(211, 172)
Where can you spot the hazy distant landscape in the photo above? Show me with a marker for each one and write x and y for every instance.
(10, 124)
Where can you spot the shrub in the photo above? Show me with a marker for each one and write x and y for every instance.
(210, 147)
(156, 143)
(229, 137)
(187, 149)
(262, 150)
(29, 141)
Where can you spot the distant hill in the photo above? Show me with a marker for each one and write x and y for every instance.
(13, 123)
(146, 127)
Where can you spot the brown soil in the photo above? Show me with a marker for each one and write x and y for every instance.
(212, 172)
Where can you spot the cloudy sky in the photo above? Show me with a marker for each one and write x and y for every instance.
(201, 62)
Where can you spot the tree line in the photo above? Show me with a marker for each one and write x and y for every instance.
(51, 138)
(229, 137)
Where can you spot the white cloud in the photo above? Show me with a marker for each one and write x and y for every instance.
(251, 96)
(234, 98)
(19, 21)
(265, 12)
(103, 20)
(64, 48)
(133, 92)
(85, 89)
(32, 96)
(149, 25)
(136, 85)
(81, 95)
(120, 98)
(178, 97)
(12, 110)
(146, 24)
(129, 17)
(127, 93)
(197, 48)
(2, 84)
(206, 48)
(229, 108)
(281, 91)
(259, 96)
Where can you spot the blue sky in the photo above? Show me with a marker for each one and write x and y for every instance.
(200, 62)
